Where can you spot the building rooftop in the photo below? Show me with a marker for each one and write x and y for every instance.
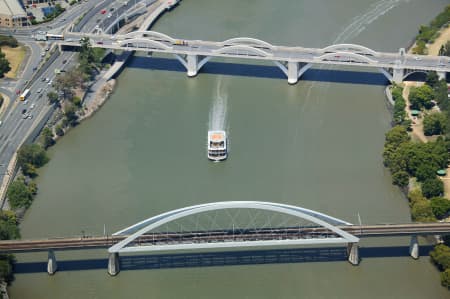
(12, 7)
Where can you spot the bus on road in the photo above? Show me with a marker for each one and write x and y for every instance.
(24, 95)
(55, 36)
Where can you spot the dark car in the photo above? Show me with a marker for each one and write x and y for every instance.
(24, 111)
(64, 61)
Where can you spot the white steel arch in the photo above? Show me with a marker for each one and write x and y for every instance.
(154, 222)
(149, 34)
(235, 50)
(141, 41)
(357, 49)
(248, 41)
(338, 55)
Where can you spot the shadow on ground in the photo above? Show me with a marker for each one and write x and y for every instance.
(261, 71)
(210, 259)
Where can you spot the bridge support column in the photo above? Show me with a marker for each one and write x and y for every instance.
(192, 65)
(292, 72)
(414, 248)
(398, 74)
(51, 264)
(113, 264)
(442, 75)
(353, 253)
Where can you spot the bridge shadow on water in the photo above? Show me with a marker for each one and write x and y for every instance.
(261, 71)
(216, 259)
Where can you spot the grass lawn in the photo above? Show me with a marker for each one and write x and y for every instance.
(15, 57)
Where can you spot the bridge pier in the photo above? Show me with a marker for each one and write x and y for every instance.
(292, 72)
(398, 74)
(353, 253)
(192, 65)
(442, 75)
(113, 264)
(414, 248)
(51, 264)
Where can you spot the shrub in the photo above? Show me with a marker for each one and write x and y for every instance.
(432, 188)
(440, 206)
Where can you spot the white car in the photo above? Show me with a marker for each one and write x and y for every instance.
(32, 106)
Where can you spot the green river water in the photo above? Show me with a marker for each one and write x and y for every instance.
(316, 144)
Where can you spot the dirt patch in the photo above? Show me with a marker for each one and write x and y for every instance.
(444, 36)
(15, 57)
(5, 103)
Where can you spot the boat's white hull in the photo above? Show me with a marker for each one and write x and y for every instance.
(217, 158)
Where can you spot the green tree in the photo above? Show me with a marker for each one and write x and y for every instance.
(432, 79)
(33, 154)
(421, 211)
(8, 226)
(440, 256)
(434, 123)
(400, 178)
(59, 130)
(4, 64)
(421, 97)
(425, 171)
(52, 97)
(445, 278)
(440, 206)
(47, 137)
(432, 188)
(19, 195)
(6, 267)
(71, 115)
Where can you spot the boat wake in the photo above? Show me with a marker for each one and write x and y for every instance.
(218, 111)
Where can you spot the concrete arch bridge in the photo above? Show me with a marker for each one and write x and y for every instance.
(293, 61)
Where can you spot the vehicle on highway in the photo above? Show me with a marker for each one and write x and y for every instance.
(0, 122)
(64, 61)
(100, 42)
(417, 58)
(50, 82)
(25, 94)
(109, 15)
(47, 79)
(180, 42)
(43, 54)
(24, 111)
(30, 116)
(43, 79)
(34, 69)
(39, 90)
(32, 106)
(55, 36)
(103, 11)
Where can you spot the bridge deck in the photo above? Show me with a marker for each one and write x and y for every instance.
(174, 238)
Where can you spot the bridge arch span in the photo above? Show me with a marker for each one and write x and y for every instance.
(242, 50)
(414, 72)
(139, 229)
(354, 48)
(248, 41)
(158, 36)
(344, 57)
(150, 44)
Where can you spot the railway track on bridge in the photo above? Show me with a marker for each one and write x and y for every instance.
(236, 235)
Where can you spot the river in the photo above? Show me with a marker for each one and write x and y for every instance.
(316, 144)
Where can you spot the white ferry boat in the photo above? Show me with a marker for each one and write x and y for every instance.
(217, 145)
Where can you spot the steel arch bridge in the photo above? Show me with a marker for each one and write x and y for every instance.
(299, 226)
